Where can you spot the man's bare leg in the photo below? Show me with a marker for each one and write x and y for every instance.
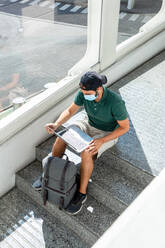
(86, 169)
(58, 148)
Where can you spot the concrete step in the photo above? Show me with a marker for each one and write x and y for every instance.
(44, 148)
(23, 224)
(121, 181)
(89, 224)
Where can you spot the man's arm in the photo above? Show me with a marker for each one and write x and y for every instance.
(97, 143)
(66, 115)
(122, 129)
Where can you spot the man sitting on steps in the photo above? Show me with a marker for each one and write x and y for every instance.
(107, 119)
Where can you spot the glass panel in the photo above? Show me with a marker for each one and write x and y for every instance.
(40, 40)
(134, 14)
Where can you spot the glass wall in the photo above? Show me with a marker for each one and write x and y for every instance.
(130, 20)
(39, 42)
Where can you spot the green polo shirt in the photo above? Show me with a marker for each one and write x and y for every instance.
(104, 114)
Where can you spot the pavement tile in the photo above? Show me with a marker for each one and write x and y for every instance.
(24, 10)
(76, 18)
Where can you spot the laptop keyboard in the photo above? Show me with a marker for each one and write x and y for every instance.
(75, 142)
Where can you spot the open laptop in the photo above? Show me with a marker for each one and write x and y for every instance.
(75, 138)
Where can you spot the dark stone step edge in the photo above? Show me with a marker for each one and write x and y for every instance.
(106, 198)
(133, 167)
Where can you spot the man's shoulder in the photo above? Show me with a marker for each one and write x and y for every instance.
(115, 97)
(80, 92)
(79, 99)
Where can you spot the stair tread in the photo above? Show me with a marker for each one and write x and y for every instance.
(96, 216)
(31, 172)
(119, 178)
(47, 144)
(23, 216)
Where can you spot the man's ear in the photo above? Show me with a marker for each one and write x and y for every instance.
(99, 88)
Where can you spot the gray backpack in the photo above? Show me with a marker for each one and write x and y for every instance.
(58, 181)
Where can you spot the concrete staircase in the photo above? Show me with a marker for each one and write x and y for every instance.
(112, 188)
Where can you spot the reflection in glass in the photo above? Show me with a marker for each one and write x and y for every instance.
(130, 21)
(11, 65)
(38, 45)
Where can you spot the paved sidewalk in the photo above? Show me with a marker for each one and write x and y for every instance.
(142, 6)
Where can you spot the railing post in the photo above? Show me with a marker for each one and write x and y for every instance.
(131, 4)
(103, 17)
(108, 32)
(157, 20)
(91, 56)
(162, 10)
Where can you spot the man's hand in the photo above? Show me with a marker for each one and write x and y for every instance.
(50, 127)
(94, 145)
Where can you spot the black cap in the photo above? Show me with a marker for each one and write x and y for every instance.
(91, 80)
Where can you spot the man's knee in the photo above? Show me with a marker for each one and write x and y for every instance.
(58, 148)
(59, 141)
(88, 155)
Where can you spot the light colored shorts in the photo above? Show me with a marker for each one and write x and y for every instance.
(95, 133)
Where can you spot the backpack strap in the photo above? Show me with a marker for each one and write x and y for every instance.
(62, 180)
(45, 181)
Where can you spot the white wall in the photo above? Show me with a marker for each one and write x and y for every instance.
(22, 133)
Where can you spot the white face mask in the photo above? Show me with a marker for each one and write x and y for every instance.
(90, 97)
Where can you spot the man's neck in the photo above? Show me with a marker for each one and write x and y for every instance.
(100, 95)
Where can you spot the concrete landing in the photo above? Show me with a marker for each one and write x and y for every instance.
(144, 93)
